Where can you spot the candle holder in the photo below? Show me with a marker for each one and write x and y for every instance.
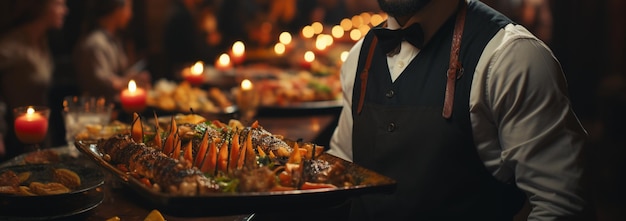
(248, 100)
(31, 125)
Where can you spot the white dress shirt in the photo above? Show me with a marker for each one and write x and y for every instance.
(523, 125)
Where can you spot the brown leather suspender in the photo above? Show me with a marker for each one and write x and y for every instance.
(365, 73)
(455, 69)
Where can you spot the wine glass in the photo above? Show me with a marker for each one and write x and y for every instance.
(31, 125)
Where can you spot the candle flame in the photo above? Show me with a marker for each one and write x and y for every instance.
(285, 38)
(376, 19)
(357, 21)
(346, 24)
(309, 56)
(344, 56)
(320, 44)
(308, 31)
(132, 86)
(279, 48)
(224, 60)
(337, 31)
(238, 48)
(197, 68)
(30, 110)
(355, 34)
(246, 84)
(317, 27)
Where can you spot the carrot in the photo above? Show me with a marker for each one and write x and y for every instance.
(170, 140)
(222, 159)
(242, 157)
(250, 161)
(234, 152)
(255, 124)
(136, 131)
(296, 155)
(188, 152)
(176, 152)
(210, 161)
(204, 145)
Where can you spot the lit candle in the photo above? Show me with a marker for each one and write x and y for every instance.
(246, 85)
(346, 24)
(337, 31)
(344, 56)
(195, 74)
(355, 34)
(285, 38)
(31, 127)
(238, 52)
(308, 31)
(247, 100)
(223, 63)
(320, 43)
(323, 41)
(318, 28)
(279, 48)
(309, 57)
(133, 99)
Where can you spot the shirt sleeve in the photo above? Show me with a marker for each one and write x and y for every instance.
(341, 141)
(540, 137)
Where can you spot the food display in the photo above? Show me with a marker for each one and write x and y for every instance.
(190, 162)
(63, 181)
(56, 189)
(182, 97)
(288, 89)
(200, 157)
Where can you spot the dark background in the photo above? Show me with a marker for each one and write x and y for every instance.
(588, 37)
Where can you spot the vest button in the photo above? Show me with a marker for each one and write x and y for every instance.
(391, 127)
(390, 94)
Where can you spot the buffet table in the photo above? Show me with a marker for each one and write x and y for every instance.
(123, 203)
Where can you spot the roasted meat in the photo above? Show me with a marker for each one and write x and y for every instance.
(170, 175)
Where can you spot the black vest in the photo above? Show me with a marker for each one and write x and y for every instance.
(402, 134)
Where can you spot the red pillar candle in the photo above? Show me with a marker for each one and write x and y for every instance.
(133, 99)
(195, 74)
(31, 127)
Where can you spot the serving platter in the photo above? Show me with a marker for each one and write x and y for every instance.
(45, 207)
(220, 204)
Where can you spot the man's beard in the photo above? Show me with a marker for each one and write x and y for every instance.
(402, 8)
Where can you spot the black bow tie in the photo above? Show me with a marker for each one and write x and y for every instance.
(390, 40)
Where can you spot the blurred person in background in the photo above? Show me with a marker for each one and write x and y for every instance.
(101, 62)
(191, 34)
(25, 62)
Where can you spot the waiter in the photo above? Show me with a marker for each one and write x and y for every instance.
(466, 110)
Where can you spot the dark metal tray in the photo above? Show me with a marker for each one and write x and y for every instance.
(216, 204)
